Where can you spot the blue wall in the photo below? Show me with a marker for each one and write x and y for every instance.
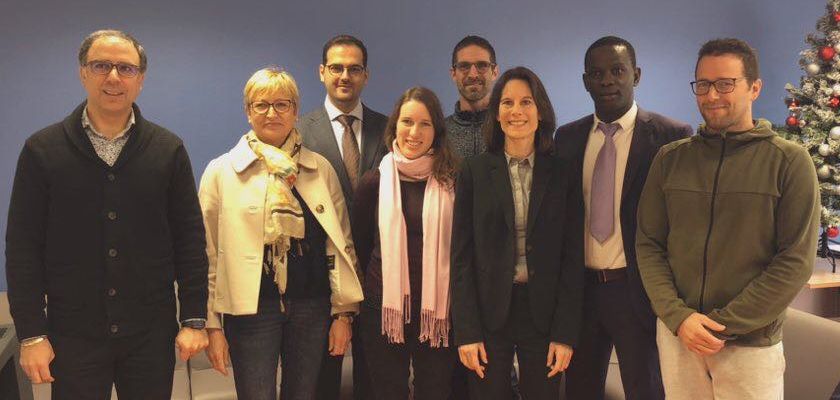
(201, 54)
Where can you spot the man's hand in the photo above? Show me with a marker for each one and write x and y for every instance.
(190, 341)
(217, 350)
(340, 334)
(695, 335)
(35, 361)
(472, 356)
(559, 356)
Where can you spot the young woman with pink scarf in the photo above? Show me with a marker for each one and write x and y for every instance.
(402, 225)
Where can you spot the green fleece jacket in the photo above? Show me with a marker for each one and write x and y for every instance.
(727, 227)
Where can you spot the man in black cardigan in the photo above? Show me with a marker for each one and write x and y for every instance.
(103, 218)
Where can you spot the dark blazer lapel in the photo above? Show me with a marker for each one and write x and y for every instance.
(539, 183)
(640, 148)
(370, 139)
(581, 138)
(501, 182)
(327, 145)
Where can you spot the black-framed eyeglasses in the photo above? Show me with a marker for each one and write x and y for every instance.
(125, 70)
(481, 66)
(354, 70)
(280, 106)
(723, 85)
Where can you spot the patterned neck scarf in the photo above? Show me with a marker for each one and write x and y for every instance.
(283, 214)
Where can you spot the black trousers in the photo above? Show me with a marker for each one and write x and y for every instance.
(518, 336)
(388, 363)
(329, 379)
(609, 319)
(140, 366)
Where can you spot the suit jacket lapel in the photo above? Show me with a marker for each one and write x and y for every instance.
(640, 148)
(539, 184)
(581, 138)
(370, 139)
(327, 146)
(500, 177)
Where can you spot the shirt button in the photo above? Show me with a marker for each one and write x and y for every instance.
(319, 208)
(115, 328)
(111, 177)
(112, 215)
(112, 252)
(112, 292)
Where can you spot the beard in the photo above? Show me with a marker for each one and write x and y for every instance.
(473, 89)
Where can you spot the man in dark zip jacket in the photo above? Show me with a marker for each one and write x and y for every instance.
(727, 233)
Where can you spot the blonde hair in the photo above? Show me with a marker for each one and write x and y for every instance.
(269, 80)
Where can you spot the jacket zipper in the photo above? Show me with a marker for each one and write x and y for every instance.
(711, 222)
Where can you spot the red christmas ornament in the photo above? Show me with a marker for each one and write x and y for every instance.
(827, 53)
(793, 104)
(836, 16)
(792, 121)
(832, 231)
(834, 102)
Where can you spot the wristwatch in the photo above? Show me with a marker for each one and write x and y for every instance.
(345, 316)
(194, 323)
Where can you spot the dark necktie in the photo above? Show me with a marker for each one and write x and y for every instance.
(602, 194)
(350, 149)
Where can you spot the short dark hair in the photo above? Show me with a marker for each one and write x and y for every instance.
(473, 40)
(344, 40)
(611, 41)
(445, 164)
(492, 129)
(88, 42)
(735, 47)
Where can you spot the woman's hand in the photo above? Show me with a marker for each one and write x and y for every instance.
(340, 333)
(217, 350)
(559, 356)
(472, 356)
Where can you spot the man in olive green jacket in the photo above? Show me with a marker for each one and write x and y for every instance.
(727, 232)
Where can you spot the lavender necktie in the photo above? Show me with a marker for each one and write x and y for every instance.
(602, 194)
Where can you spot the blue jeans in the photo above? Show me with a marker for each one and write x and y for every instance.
(297, 338)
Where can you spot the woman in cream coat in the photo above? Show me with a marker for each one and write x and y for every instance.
(282, 272)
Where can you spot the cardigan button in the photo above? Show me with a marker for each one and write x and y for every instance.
(115, 328)
(112, 252)
(112, 215)
(112, 292)
(111, 177)
(319, 208)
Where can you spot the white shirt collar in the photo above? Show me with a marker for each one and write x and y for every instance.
(333, 112)
(626, 121)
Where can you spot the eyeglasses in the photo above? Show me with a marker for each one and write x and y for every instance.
(338, 69)
(280, 106)
(723, 85)
(481, 66)
(105, 67)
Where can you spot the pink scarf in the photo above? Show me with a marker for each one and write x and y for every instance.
(438, 201)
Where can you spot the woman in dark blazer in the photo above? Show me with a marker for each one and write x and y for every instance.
(517, 250)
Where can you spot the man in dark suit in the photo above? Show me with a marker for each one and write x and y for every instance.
(614, 148)
(103, 218)
(349, 135)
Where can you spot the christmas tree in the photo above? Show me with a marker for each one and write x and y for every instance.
(814, 119)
